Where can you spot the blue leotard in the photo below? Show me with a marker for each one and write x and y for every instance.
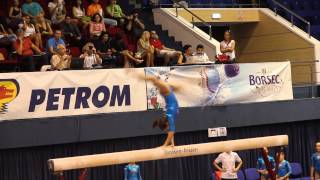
(172, 110)
(315, 161)
(132, 172)
(284, 168)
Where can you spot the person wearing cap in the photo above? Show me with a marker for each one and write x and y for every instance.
(162, 51)
(61, 60)
(25, 50)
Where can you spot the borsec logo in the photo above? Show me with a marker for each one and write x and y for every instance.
(9, 90)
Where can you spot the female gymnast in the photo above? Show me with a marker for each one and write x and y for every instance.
(167, 121)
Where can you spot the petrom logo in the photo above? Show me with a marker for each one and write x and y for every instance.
(9, 90)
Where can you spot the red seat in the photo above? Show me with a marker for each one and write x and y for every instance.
(75, 51)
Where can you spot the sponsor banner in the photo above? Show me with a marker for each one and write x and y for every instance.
(223, 84)
(67, 93)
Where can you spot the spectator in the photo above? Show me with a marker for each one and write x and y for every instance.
(284, 169)
(132, 172)
(315, 163)
(61, 60)
(79, 13)
(70, 30)
(227, 46)
(57, 11)
(121, 51)
(104, 49)
(135, 25)
(200, 56)
(97, 27)
(115, 12)
(94, 8)
(90, 56)
(162, 51)
(43, 28)
(30, 31)
(261, 166)
(187, 54)
(15, 15)
(53, 43)
(32, 9)
(24, 48)
(145, 49)
(228, 168)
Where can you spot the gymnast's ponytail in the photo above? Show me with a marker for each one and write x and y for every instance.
(162, 123)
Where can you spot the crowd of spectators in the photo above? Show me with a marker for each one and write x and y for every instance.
(106, 35)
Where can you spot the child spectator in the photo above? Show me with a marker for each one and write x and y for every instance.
(284, 170)
(200, 56)
(315, 163)
(261, 166)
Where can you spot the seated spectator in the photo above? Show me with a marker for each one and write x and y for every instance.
(70, 30)
(228, 166)
(57, 11)
(24, 48)
(15, 15)
(32, 9)
(135, 25)
(43, 27)
(115, 12)
(61, 60)
(79, 13)
(315, 163)
(162, 51)
(97, 27)
(5, 37)
(95, 8)
(120, 50)
(103, 45)
(90, 56)
(30, 31)
(284, 169)
(200, 56)
(262, 168)
(53, 43)
(227, 46)
(145, 49)
(187, 54)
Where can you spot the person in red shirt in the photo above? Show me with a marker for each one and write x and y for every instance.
(25, 50)
(162, 51)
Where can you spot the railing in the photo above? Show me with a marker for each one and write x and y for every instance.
(194, 16)
(292, 15)
(211, 4)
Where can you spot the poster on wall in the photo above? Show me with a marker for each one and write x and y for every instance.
(223, 84)
(68, 93)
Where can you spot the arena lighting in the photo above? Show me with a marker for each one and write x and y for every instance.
(216, 16)
(79, 162)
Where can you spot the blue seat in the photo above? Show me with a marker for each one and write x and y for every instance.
(241, 175)
(251, 174)
(296, 170)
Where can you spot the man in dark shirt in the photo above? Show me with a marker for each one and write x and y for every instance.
(70, 30)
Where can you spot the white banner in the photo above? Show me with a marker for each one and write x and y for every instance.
(67, 93)
(224, 84)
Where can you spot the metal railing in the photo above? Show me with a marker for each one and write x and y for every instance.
(292, 15)
(194, 16)
(212, 4)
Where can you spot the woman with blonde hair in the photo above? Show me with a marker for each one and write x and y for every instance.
(145, 49)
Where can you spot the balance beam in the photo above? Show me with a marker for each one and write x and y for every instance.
(88, 161)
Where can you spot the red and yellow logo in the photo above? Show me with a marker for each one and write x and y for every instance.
(9, 90)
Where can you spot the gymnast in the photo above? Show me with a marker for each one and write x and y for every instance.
(167, 121)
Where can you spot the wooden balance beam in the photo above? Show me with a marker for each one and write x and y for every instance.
(88, 161)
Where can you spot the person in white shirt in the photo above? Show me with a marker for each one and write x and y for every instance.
(62, 60)
(228, 166)
(227, 46)
(57, 11)
(90, 56)
(200, 56)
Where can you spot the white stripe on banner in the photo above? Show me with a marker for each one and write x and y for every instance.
(68, 93)
(224, 84)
